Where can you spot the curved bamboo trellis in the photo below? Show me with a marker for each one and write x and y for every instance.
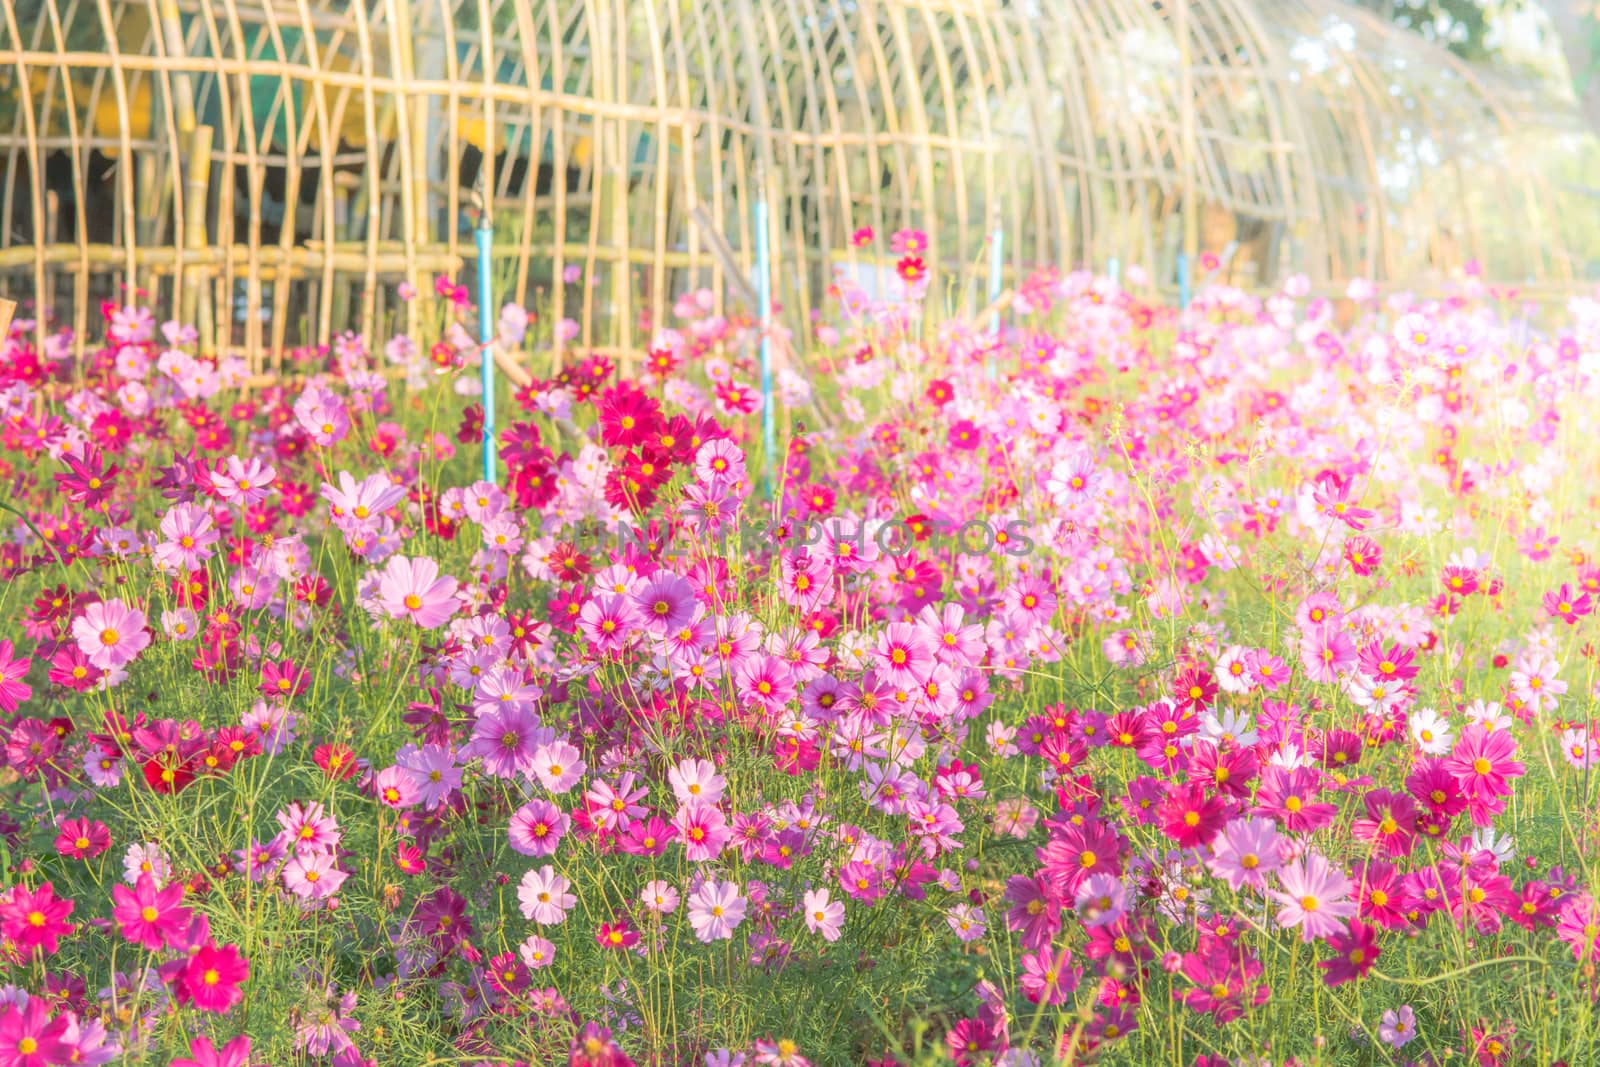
(276, 166)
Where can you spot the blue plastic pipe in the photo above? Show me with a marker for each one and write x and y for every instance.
(997, 259)
(486, 330)
(769, 434)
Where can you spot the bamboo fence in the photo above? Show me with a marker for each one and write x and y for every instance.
(274, 169)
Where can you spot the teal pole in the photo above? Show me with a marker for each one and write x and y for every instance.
(486, 335)
(764, 288)
(997, 258)
(1114, 270)
(1183, 281)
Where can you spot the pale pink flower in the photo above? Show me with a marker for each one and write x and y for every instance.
(111, 634)
(545, 896)
(243, 482)
(412, 588)
(715, 910)
(696, 781)
(558, 766)
(823, 916)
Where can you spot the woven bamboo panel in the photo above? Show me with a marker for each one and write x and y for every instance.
(276, 168)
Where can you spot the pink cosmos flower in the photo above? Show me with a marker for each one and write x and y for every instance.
(544, 896)
(146, 858)
(665, 602)
(609, 622)
(148, 915)
(1355, 952)
(823, 916)
(696, 781)
(243, 482)
(30, 1038)
(13, 669)
(1536, 684)
(507, 739)
(35, 918)
(1102, 899)
(313, 876)
(967, 921)
(1398, 1027)
(1246, 851)
(558, 766)
(1482, 762)
(203, 1053)
(212, 978)
(1579, 926)
(766, 681)
(615, 807)
(357, 504)
(307, 828)
(81, 839)
(703, 830)
(1315, 897)
(412, 588)
(537, 828)
(1047, 976)
(111, 634)
(659, 897)
(394, 788)
(537, 952)
(715, 910)
(433, 770)
(321, 413)
(719, 459)
(905, 655)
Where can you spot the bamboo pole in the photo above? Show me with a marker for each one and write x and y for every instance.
(195, 307)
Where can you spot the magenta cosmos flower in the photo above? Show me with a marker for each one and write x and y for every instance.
(537, 828)
(1483, 762)
(149, 915)
(111, 634)
(413, 589)
(203, 1053)
(30, 1038)
(13, 670)
(213, 977)
(36, 918)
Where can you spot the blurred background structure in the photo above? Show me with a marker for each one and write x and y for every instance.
(275, 168)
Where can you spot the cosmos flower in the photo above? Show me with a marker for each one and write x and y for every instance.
(715, 910)
(1314, 898)
(545, 896)
(413, 589)
(111, 634)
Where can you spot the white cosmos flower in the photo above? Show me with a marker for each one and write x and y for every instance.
(1431, 732)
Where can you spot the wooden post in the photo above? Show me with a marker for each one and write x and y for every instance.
(52, 235)
(345, 185)
(195, 308)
